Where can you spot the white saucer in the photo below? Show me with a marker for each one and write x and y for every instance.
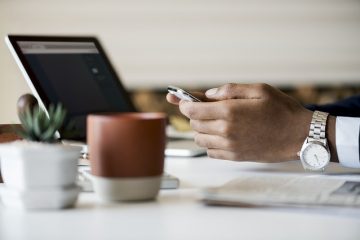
(54, 198)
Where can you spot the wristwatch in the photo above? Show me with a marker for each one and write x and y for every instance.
(315, 153)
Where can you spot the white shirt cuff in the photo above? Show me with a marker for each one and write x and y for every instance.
(347, 141)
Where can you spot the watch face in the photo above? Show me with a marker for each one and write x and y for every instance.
(316, 156)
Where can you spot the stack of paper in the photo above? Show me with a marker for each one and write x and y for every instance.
(277, 190)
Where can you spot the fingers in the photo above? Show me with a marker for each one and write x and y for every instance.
(213, 142)
(238, 91)
(172, 99)
(203, 110)
(214, 127)
(222, 154)
(230, 91)
(217, 147)
(229, 110)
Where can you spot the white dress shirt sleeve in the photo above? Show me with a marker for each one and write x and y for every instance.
(347, 141)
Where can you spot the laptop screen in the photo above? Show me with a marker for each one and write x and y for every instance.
(77, 74)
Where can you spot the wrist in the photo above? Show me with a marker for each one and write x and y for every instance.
(330, 134)
(301, 132)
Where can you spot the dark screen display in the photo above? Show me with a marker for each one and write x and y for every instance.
(78, 76)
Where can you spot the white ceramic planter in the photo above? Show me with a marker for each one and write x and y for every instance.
(26, 165)
(53, 198)
(39, 175)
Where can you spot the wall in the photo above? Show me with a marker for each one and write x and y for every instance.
(197, 43)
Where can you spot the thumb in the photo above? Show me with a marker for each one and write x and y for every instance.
(234, 91)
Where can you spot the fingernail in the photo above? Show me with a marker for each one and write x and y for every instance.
(211, 91)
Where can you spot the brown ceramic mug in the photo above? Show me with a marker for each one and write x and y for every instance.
(126, 152)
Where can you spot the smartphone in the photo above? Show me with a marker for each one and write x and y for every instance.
(182, 94)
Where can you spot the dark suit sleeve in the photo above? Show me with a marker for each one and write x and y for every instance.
(349, 107)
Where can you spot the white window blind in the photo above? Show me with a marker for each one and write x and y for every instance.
(206, 42)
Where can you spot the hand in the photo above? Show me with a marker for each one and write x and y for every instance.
(248, 123)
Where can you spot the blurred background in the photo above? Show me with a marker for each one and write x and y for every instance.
(309, 48)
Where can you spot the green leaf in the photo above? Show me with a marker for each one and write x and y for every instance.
(37, 126)
(48, 134)
(51, 111)
(27, 118)
(59, 116)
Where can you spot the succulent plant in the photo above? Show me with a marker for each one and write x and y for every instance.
(38, 127)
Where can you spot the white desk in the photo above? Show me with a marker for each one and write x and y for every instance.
(177, 214)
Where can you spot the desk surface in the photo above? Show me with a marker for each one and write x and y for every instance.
(178, 214)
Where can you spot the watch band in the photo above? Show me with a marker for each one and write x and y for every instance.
(318, 127)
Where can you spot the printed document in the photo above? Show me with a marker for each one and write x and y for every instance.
(276, 190)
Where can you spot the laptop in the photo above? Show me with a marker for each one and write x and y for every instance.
(77, 72)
